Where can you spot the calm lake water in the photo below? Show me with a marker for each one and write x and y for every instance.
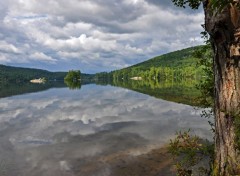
(62, 132)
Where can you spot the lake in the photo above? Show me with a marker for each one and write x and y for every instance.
(93, 131)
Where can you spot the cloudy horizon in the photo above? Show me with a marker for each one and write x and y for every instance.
(93, 35)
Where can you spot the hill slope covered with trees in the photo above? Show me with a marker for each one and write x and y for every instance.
(177, 64)
(18, 74)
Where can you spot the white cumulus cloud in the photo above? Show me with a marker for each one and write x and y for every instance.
(8, 48)
(42, 57)
(93, 35)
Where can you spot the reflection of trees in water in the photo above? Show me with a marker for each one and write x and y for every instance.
(72, 79)
(73, 84)
(10, 89)
(156, 84)
(176, 90)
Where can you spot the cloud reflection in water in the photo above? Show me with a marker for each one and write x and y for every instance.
(59, 130)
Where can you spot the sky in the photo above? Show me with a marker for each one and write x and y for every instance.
(93, 35)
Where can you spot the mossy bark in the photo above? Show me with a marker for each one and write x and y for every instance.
(224, 30)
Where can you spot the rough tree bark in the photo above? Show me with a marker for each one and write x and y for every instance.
(224, 30)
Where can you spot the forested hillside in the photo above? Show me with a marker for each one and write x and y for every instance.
(176, 59)
(17, 74)
(178, 64)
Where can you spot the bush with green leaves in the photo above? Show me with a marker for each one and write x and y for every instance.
(73, 75)
(190, 152)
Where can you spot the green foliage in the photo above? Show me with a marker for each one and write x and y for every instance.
(72, 79)
(180, 69)
(73, 76)
(103, 78)
(16, 74)
(176, 59)
(179, 64)
(206, 84)
(218, 6)
(215, 5)
(194, 4)
(73, 84)
(179, 91)
(10, 74)
(9, 89)
(189, 151)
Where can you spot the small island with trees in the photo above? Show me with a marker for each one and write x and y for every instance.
(73, 79)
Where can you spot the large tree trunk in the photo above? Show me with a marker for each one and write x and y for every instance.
(224, 30)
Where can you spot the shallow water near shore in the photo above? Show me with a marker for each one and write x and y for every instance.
(92, 131)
